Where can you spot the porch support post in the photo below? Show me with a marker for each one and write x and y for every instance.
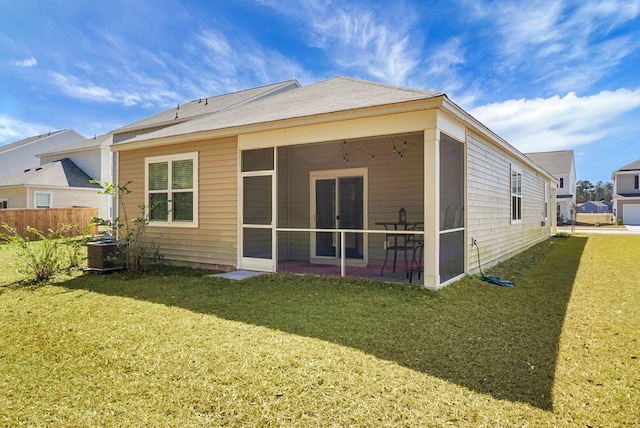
(431, 260)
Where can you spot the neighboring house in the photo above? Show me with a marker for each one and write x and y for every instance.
(59, 184)
(95, 158)
(563, 166)
(21, 155)
(626, 193)
(307, 176)
(595, 207)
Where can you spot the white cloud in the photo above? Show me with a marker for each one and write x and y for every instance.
(209, 62)
(365, 39)
(568, 45)
(557, 123)
(12, 130)
(27, 62)
(137, 88)
(228, 64)
(73, 87)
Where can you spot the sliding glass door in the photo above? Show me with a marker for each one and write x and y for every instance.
(338, 201)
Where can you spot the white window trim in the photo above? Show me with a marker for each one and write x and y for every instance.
(35, 199)
(6, 200)
(515, 170)
(169, 158)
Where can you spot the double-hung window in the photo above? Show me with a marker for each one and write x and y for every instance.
(171, 189)
(516, 195)
(43, 200)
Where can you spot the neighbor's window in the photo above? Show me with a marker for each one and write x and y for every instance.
(43, 200)
(171, 189)
(516, 195)
(4, 202)
(561, 180)
(636, 183)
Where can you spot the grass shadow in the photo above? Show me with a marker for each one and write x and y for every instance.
(492, 340)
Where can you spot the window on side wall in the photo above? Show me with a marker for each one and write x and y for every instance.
(561, 182)
(516, 195)
(42, 200)
(171, 186)
(636, 182)
(545, 213)
(4, 202)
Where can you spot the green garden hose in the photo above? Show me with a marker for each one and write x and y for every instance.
(490, 278)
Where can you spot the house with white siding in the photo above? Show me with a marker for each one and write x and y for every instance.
(58, 184)
(94, 157)
(23, 154)
(62, 178)
(562, 164)
(343, 176)
(626, 193)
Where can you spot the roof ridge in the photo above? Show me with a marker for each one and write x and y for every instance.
(386, 85)
(242, 90)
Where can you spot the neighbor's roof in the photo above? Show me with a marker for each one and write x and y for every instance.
(205, 106)
(35, 138)
(62, 173)
(87, 144)
(596, 203)
(328, 96)
(633, 166)
(556, 162)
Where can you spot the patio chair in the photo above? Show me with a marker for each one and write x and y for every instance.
(417, 242)
(403, 243)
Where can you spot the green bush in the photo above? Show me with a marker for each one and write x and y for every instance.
(43, 258)
(136, 250)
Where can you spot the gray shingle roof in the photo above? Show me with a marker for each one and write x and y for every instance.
(62, 173)
(30, 140)
(89, 143)
(556, 162)
(205, 106)
(328, 96)
(633, 166)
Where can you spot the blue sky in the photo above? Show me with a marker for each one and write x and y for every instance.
(544, 75)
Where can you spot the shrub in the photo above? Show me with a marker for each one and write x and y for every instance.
(562, 235)
(136, 251)
(41, 259)
(76, 249)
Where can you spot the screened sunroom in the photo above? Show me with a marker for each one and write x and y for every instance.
(388, 207)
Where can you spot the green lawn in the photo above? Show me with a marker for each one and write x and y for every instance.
(179, 348)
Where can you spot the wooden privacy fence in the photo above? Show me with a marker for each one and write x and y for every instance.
(49, 218)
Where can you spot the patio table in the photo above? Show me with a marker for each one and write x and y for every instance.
(400, 242)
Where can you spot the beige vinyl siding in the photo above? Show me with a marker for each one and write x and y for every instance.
(16, 197)
(214, 242)
(625, 182)
(489, 204)
(393, 183)
(67, 198)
